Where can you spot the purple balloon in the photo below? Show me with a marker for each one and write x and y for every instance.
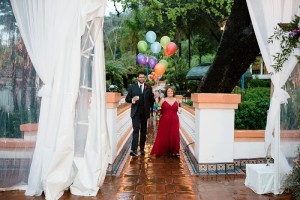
(141, 59)
(152, 61)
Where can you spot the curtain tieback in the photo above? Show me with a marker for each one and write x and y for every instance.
(281, 95)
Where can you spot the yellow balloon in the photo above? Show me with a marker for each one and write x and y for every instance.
(164, 41)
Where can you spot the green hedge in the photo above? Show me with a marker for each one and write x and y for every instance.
(10, 122)
(252, 111)
(189, 102)
(259, 83)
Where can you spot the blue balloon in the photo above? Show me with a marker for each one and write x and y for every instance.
(155, 47)
(151, 36)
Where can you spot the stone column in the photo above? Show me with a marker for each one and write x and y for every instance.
(214, 119)
(29, 131)
(112, 103)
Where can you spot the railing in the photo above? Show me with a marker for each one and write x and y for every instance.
(259, 72)
(187, 123)
(206, 130)
(119, 128)
(247, 146)
(122, 141)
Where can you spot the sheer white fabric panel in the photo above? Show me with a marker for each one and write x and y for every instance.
(290, 119)
(265, 16)
(92, 153)
(34, 34)
(93, 164)
(51, 33)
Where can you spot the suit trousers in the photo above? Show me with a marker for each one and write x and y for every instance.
(139, 123)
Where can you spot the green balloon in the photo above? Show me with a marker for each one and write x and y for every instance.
(142, 46)
(164, 62)
(164, 41)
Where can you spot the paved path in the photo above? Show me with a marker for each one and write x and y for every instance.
(163, 178)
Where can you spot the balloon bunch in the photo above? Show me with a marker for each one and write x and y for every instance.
(153, 76)
(145, 56)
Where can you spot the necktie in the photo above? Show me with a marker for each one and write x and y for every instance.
(141, 89)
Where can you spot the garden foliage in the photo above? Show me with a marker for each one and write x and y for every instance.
(252, 111)
(10, 122)
(292, 183)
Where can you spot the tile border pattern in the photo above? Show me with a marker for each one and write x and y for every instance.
(236, 167)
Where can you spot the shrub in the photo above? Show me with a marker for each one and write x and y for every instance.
(259, 83)
(292, 183)
(10, 122)
(189, 102)
(252, 112)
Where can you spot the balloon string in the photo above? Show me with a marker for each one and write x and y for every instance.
(147, 71)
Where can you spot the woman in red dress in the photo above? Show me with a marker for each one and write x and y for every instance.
(167, 141)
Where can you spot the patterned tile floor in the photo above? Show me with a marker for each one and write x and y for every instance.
(163, 178)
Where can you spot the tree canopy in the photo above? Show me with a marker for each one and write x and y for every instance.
(193, 25)
(197, 23)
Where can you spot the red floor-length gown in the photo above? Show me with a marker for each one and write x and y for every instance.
(167, 141)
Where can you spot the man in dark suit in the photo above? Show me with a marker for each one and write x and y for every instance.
(140, 96)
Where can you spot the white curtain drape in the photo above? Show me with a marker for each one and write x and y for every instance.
(92, 163)
(51, 30)
(265, 16)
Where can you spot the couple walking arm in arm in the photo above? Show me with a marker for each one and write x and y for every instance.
(141, 97)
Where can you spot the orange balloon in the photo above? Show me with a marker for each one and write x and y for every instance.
(170, 49)
(159, 69)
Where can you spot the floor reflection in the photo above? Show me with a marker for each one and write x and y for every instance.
(147, 177)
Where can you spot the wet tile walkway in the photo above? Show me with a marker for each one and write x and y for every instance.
(163, 178)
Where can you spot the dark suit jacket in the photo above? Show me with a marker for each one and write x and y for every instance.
(134, 90)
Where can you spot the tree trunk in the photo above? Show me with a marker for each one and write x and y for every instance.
(14, 73)
(189, 50)
(14, 86)
(31, 84)
(179, 38)
(24, 85)
(237, 50)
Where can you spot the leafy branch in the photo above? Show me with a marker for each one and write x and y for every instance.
(288, 34)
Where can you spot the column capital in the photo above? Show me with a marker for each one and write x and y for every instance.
(112, 99)
(216, 100)
(29, 127)
(29, 131)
